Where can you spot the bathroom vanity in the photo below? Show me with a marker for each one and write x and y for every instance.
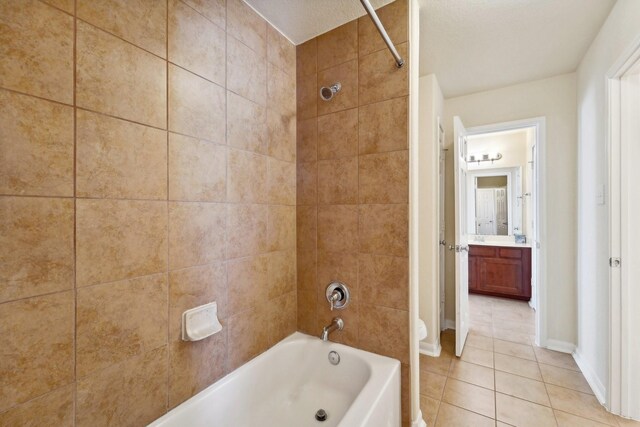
(500, 269)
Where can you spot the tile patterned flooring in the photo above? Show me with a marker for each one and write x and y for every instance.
(503, 379)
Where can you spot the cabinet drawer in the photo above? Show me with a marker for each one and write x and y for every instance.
(483, 251)
(512, 253)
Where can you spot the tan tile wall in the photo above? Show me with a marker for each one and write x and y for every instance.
(147, 165)
(352, 195)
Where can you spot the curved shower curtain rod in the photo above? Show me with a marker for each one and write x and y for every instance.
(383, 32)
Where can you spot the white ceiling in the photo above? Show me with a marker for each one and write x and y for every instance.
(476, 45)
(301, 20)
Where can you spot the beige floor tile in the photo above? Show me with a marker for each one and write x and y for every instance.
(501, 424)
(567, 420)
(479, 341)
(472, 373)
(627, 423)
(452, 416)
(582, 404)
(523, 388)
(522, 351)
(429, 408)
(565, 378)
(517, 366)
(432, 384)
(512, 336)
(521, 413)
(555, 358)
(486, 331)
(477, 356)
(437, 365)
(469, 396)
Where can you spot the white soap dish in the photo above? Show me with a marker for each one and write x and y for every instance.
(200, 322)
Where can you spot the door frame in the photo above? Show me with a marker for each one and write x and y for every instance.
(539, 287)
(618, 306)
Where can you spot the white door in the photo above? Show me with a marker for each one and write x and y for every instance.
(461, 247)
(533, 211)
(502, 219)
(441, 213)
(485, 211)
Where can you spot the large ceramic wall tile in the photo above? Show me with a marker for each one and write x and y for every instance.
(195, 43)
(246, 72)
(307, 58)
(307, 97)
(338, 45)
(248, 336)
(384, 280)
(37, 38)
(196, 233)
(119, 159)
(384, 177)
(379, 77)
(281, 91)
(36, 142)
(282, 317)
(307, 140)
(213, 10)
(36, 246)
(306, 228)
(383, 126)
(307, 312)
(281, 270)
(374, 321)
(66, 5)
(280, 51)
(338, 134)
(246, 177)
(281, 228)
(116, 321)
(281, 130)
(192, 287)
(247, 282)
(336, 266)
(338, 181)
(338, 228)
(36, 338)
(394, 17)
(246, 124)
(197, 170)
(55, 407)
(246, 230)
(193, 366)
(197, 107)
(105, 398)
(247, 26)
(306, 266)
(384, 229)
(281, 179)
(141, 22)
(307, 183)
(119, 239)
(119, 79)
(347, 75)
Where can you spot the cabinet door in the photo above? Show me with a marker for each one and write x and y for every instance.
(473, 273)
(501, 276)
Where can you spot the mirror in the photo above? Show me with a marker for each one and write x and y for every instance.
(494, 208)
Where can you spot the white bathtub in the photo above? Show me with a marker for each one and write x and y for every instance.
(287, 384)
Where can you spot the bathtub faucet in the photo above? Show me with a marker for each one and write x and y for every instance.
(336, 324)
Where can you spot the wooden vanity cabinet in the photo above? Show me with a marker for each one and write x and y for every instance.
(502, 271)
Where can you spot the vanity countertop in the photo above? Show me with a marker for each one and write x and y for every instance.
(506, 243)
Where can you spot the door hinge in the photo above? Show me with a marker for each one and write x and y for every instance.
(615, 262)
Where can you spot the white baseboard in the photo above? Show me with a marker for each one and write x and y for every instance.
(449, 324)
(589, 374)
(561, 346)
(418, 422)
(432, 350)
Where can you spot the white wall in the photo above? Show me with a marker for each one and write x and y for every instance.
(555, 99)
(431, 107)
(620, 29)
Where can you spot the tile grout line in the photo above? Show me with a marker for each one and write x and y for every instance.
(75, 217)
(167, 234)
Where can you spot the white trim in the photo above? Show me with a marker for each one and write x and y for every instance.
(429, 349)
(539, 240)
(589, 374)
(617, 392)
(561, 346)
(418, 422)
(449, 324)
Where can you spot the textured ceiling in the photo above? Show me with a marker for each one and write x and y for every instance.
(476, 45)
(301, 20)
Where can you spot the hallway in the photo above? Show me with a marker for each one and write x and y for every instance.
(503, 379)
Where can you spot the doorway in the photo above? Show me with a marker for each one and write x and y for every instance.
(497, 248)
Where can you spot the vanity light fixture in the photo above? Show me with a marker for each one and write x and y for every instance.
(478, 158)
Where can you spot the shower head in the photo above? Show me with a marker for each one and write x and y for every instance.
(327, 93)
